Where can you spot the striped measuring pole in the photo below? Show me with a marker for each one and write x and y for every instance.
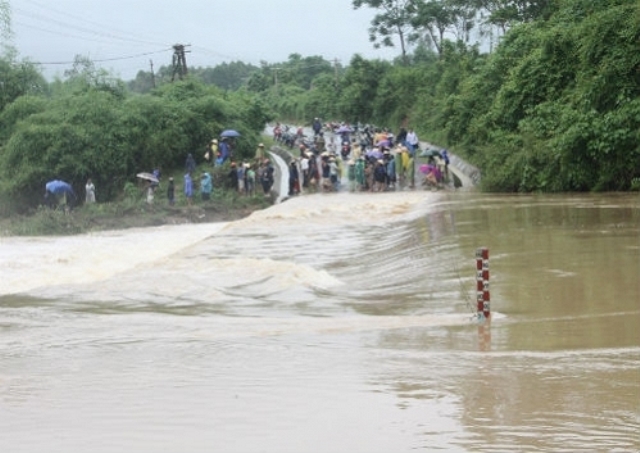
(483, 296)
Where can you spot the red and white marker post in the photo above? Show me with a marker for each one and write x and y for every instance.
(482, 284)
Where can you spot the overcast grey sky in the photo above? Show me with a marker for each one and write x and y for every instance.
(124, 35)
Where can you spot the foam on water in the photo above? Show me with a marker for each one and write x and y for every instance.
(327, 323)
(180, 260)
(29, 263)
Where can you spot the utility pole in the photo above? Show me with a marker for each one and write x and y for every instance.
(335, 69)
(153, 76)
(179, 62)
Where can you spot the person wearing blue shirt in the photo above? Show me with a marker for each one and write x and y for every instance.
(206, 186)
(224, 150)
(188, 188)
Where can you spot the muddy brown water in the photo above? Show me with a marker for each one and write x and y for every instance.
(331, 323)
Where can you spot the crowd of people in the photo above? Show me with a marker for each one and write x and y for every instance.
(246, 176)
(365, 158)
(337, 156)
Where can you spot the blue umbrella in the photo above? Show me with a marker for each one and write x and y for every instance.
(343, 130)
(230, 133)
(377, 154)
(57, 187)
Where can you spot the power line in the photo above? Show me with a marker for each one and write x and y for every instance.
(98, 36)
(78, 28)
(111, 32)
(216, 54)
(55, 32)
(102, 60)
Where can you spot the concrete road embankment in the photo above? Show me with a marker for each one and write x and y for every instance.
(467, 173)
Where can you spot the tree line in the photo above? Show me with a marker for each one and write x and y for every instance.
(91, 126)
(552, 106)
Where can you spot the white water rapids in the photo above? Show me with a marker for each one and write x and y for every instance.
(330, 323)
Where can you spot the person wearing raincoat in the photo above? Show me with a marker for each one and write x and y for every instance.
(212, 152)
(351, 174)
(411, 172)
(391, 172)
(359, 173)
(225, 151)
(407, 169)
(188, 188)
(400, 172)
(206, 186)
(189, 164)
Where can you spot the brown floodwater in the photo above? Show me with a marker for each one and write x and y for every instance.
(331, 323)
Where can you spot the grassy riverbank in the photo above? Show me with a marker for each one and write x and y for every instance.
(131, 213)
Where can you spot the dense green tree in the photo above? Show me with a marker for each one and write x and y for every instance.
(144, 82)
(359, 87)
(394, 104)
(83, 76)
(564, 116)
(302, 71)
(322, 98)
(109, 137)
(22, 108)
(228, 76)
(19, 79)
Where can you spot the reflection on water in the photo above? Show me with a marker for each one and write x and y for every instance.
(337, 322)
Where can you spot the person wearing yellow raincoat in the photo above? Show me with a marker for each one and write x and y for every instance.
(212, 153)
(411, 170)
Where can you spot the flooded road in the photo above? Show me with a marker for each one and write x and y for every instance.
(331, 323)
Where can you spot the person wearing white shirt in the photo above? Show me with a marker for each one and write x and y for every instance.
(412, 139)
(90, 190)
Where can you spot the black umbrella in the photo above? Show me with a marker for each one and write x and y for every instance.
(430, 152)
